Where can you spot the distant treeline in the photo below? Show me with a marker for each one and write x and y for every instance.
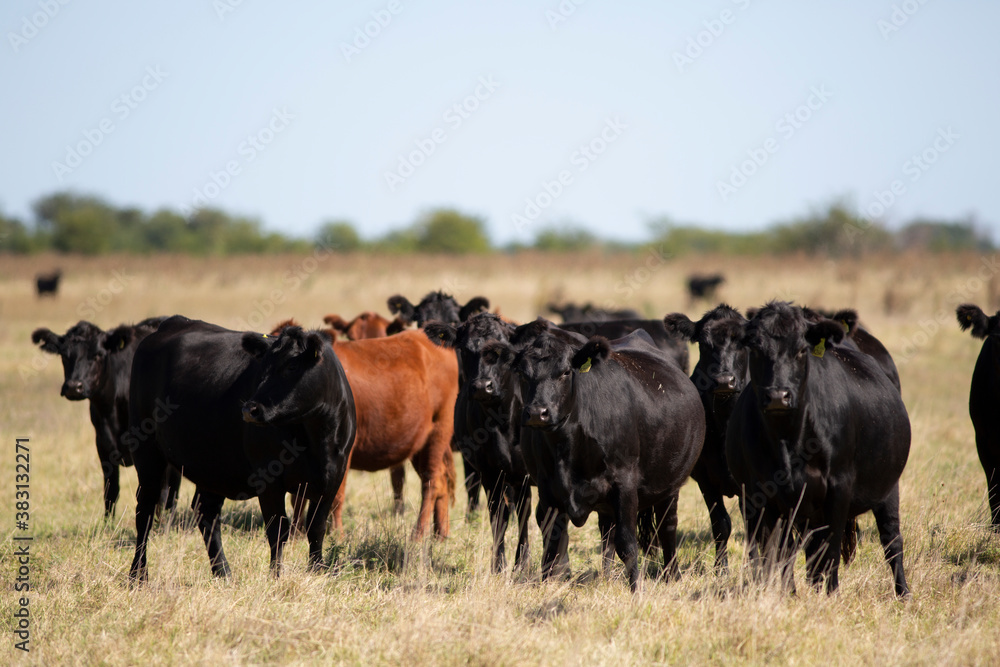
(71, 223)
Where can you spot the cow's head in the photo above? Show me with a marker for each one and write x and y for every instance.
(722, 362)
(470, 339)
(366, 325)
(783, 344)
(436, 306)
(83, 353)
(548, 366)
(293, 374)
(972, 317)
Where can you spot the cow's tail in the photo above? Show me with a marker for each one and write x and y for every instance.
(449, 474)
(849, 545)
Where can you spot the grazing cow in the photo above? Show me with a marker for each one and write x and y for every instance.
(48, 283)
(365, 325)
(612, 428)
(404, 389)
(703, 287)
(860, 338)
(243, 415)
(96, 367)
(719, 376)
(588, 312)
(819, 436)
(441, 307)
(488, 424)
(984, 397)
(436, 306)
(670, 343)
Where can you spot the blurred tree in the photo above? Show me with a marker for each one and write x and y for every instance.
(339, 236)
(14, 236)
(943, 236)
(564, 238)
(448, 231)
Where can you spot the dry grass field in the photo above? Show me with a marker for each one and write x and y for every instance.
(388, 600)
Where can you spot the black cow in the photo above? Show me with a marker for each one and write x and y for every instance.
(488, 423)
(860, 338)
(243, 415)
(436, 306)
(670, 343)
(611, 428)
(588, 312)
(48, 283)
(819, 436)
(719, 376)
(703, 287)
(96, 366)
(440, 307)
(984, 397)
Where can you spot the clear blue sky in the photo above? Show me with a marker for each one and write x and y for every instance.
(673, 129)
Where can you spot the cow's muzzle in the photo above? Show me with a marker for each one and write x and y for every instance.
(537, 417)
(725, 384)
(777, 399)
(73, 390)
(484, 390)
(253, 413)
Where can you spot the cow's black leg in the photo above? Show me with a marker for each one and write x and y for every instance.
(887, 520)
(606, 523)
(552, 523)
(522, 505)
(626, 506)
(208, 508)
(319, 513)
(992, 471)
(817, 546)
(722, 524)
(171, 487)
(397, 474)
(473, 483)
(276, 525)
(499, 509)
(752, 526)
(666, 531)
(111, 486)
(150, 474)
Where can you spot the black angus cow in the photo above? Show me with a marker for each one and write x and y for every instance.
(703, 287)
(436, 306)
(669, 342)
(859, 337)
(243, 415)
(819, 437)
(984, 397)
(96, 367)
(441, 307)
(613, 428)
(588, 312)
(48, 283)
(719, 376)
(488, 424)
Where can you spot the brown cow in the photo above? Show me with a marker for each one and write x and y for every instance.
(404, 390)
(366, 325)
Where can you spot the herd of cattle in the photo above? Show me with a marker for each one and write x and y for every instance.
(796, 412)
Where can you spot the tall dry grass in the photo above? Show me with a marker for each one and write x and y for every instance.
(389, 600)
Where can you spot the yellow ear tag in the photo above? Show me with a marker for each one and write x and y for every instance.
(820, 348)
(264, 335)
(586, 366)
(847, 329)
(121, 344)
(441, 335)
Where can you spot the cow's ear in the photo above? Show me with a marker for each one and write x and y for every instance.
(400, 305)
(395, 327)
(256, 344)
(497, 352)
(824, 333)
(751, 313)
(679, 324)
(969, 317)
(441, 333)
(476, 305)
(119, 337)
(337, 322)
(314, 346)
(848, 318)
(529, 331)
(51, 342)
(593, 352)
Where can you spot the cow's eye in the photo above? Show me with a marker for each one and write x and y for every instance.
(566, 374)
(802, 353)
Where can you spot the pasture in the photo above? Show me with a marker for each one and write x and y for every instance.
(389, 600)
